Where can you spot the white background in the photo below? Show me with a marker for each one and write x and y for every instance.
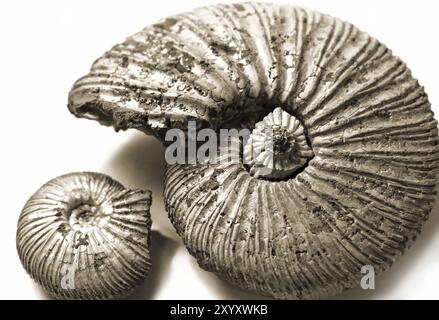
(47, 45)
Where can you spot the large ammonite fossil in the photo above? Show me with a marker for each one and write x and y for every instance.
(84, 236)
(355, 144)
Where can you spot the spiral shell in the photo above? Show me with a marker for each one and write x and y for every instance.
(355, 191)
(84, 236)
(277, 143)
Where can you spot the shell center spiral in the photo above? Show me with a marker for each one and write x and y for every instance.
(84, 214)
(277, 147)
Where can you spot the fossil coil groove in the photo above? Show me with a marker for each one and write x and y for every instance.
(84, 236)
(359, 199)
(277, 143)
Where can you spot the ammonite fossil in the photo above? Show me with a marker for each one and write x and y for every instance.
(85, 236)
(355, 144)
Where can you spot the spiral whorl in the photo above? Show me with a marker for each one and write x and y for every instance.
(84, 236)
(277, 146)
(354, 148)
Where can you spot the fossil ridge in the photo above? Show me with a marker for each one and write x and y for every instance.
(360, 198)
(84, 236)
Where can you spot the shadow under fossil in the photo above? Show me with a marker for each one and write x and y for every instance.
(140, 164)
(162, 250)
(41, 292)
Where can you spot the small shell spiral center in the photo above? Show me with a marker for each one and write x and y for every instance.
(84, 212)
(85, 217)
(277, 147)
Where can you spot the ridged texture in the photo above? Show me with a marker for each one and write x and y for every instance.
(277, 146)
(84, 236)
(361, 200)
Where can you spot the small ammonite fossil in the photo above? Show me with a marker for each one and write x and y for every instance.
(85, 236)
(355, 149)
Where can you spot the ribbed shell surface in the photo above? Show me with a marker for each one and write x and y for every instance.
(85, 236)
(363, 197)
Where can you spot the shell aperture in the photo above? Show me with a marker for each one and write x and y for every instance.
(84, 236)
(365, 181)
